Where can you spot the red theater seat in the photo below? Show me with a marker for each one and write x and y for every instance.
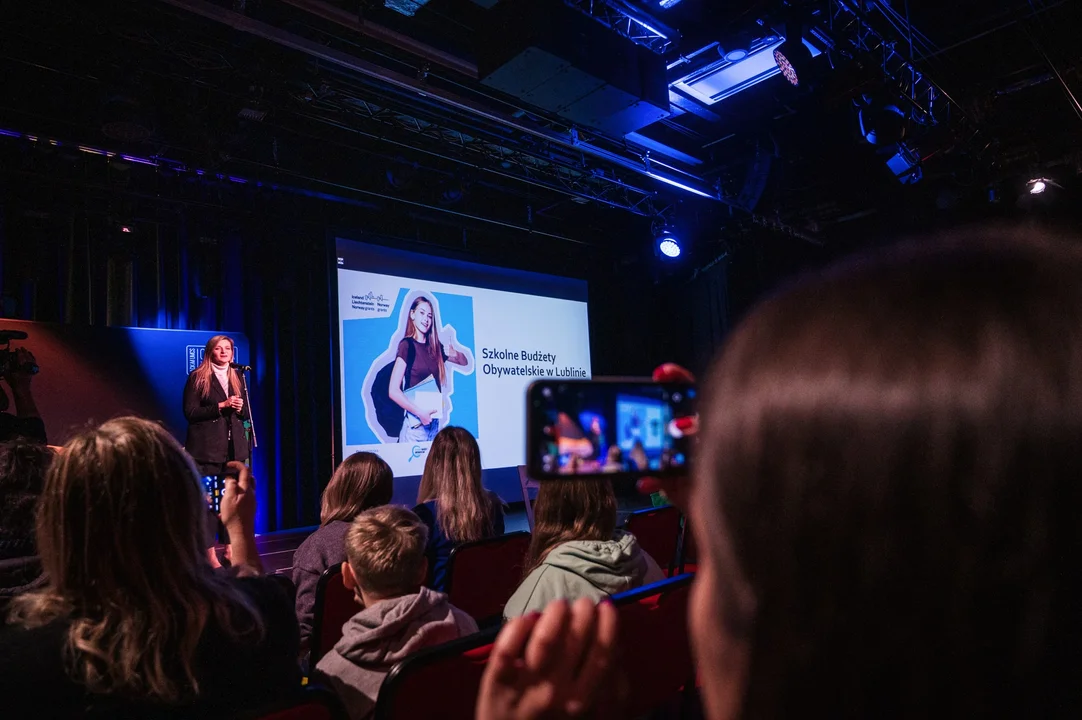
(334, 605)
(658, 533)
(482, 575)
(439, 682)
(311, 703)
(654, 658)
(654, 651)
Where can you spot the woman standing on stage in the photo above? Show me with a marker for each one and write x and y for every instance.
(420, 362)
(214, 407)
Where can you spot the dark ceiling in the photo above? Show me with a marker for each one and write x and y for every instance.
(385, 112)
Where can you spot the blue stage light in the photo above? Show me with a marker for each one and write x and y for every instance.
(668, 246)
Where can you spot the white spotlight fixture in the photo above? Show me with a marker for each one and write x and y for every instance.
(669, 247)
(666, 242)
(1037, 186)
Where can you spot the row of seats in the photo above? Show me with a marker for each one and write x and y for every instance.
(483, 575)
(654, 655)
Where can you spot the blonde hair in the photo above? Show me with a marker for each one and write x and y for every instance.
(385, 547)
(118, 532)
(205, 371)
(452, 478)
(362, 481)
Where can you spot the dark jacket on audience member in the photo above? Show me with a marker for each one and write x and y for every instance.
(381, 635)
(232, 677)
(324, 548)
(20, 568)
(438, 550)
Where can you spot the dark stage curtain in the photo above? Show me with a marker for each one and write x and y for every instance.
(708, 310)
(201, 271)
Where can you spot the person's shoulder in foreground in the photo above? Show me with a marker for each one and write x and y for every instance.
(233, 676)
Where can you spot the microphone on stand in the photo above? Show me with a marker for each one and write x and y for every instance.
(242, 368)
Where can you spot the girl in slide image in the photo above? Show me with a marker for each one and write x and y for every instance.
(422, 395)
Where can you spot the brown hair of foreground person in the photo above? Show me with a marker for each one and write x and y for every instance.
(118, 531)
(888, 490)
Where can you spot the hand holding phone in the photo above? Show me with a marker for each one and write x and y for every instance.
(608, 428)
(675, 488)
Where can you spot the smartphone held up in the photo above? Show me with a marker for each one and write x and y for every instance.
(607, 428)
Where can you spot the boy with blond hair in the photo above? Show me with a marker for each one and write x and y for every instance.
(385, 568)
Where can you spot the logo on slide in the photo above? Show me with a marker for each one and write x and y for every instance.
(417, 452)
(371, 303)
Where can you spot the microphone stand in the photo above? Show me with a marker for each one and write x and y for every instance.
(248, 404)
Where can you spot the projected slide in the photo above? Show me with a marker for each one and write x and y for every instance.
(428, 342)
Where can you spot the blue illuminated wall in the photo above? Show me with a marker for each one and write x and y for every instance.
(90, 374)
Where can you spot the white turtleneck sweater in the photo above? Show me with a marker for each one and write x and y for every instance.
(223, 377)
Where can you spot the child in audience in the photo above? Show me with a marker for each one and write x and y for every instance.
(386, 567)
(362, 481)
(452, 502)
(132, 620)
(576, 550)
(22, 475)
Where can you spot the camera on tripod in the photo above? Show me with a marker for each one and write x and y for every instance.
(9, 359)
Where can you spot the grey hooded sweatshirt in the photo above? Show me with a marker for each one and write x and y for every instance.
(381, 635)
(585, 568)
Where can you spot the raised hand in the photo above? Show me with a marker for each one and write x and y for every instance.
(551, 665)
(238, 498)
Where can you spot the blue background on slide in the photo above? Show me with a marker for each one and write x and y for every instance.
(365, 339)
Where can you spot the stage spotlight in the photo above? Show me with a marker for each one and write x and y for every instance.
(793, 58)
(1037, 186)
(881, 123)
(668, 246)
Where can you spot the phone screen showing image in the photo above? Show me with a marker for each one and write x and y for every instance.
(214, 485)
(607, 428)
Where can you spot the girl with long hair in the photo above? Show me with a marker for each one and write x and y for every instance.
(576, 550)
(362, 481)
(214, 408)
(422, 357)
(452, 502)
(132, 620)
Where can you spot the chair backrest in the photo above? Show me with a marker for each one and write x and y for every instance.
(527, 485)
(437, 682)
(658, 533)
(311, 703)
(654, 657)
(334, 605)
(654, 651)
(482, 575)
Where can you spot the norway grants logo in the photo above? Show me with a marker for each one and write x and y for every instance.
(371, 303)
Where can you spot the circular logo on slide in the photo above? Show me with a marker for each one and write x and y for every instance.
(417, 452)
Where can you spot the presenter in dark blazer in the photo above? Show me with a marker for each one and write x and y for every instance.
(214, 407)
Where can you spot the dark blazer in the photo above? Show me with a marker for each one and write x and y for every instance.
(208, 427)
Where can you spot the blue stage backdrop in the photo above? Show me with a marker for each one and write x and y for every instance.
(90, 374)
